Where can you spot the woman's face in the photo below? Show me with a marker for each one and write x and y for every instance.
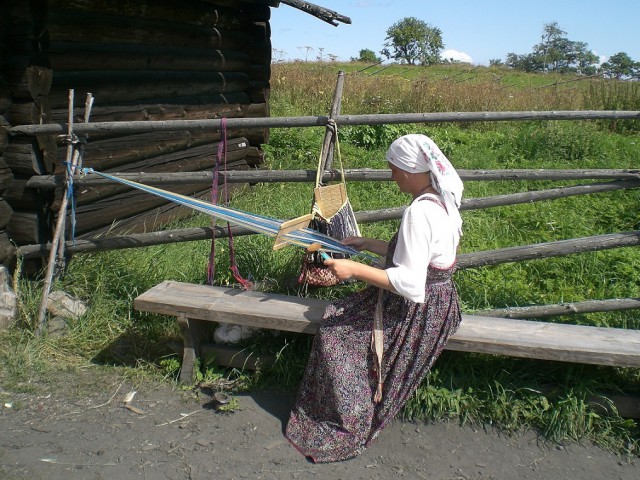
(400, 177)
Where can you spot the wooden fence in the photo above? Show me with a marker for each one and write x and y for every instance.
(603, 180)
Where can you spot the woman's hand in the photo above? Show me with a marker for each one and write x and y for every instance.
(359, 243)
(343, 269)
(379, 247)
(348, 270)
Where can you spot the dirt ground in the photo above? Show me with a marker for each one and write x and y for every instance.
(80, 427)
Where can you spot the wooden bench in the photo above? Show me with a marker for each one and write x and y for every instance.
(195, 305)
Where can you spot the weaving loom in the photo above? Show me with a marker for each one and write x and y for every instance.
(292, 232)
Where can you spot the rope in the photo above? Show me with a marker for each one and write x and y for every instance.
(222, 154)
(71, 169)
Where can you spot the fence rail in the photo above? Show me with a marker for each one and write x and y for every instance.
(319, 121)
(358, 175)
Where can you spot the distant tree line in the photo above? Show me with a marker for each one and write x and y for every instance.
(414, 42)
(557, 53)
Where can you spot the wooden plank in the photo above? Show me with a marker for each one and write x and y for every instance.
(548, 341)
(233, 306)
(518, 338)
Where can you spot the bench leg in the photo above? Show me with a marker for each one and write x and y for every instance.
(191, 330)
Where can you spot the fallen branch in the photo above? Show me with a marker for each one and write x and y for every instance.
(184, 415)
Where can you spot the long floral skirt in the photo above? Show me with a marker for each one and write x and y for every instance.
(334, 417)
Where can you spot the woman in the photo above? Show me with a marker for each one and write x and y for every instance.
(401, 321)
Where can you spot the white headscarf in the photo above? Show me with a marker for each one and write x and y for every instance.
(416, 153)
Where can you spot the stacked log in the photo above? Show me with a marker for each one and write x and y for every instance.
(7, 251)
(141, 60)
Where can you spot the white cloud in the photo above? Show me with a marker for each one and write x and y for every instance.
(456, 55)
(601, 58)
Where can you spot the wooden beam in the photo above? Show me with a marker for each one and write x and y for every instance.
(465, 260)
(322, 13)
(549, 249)
(180, 108)
(129, 86)
(360, 175)
(321, 121)
(566, 308)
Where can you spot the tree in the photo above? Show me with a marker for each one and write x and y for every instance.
(550, 49)
(368, 56)
(555, 53)
(620, 65)
(413, 41)
(528, 63)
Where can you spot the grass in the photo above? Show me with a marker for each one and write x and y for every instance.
(556, 399)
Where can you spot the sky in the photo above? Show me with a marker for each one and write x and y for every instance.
(475, 31)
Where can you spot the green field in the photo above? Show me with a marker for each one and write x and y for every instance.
(553, 398)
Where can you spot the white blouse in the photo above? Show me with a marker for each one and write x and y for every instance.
(426, 237)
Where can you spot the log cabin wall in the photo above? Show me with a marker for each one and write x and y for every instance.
(141, 60)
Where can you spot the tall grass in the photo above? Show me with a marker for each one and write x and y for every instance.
(556, 399)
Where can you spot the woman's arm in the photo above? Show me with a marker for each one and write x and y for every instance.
(348, 269)
(373, 245)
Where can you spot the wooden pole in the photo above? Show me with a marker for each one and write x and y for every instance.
(587, 306)
(465, 260)
(548, 249)
(550, 194)
(322, 13)
(42, 313)
(73, 158)
(331, 130)
(293, 176)
(321, 121)
(509, 199)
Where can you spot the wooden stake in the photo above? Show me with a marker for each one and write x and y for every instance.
(74, 156)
